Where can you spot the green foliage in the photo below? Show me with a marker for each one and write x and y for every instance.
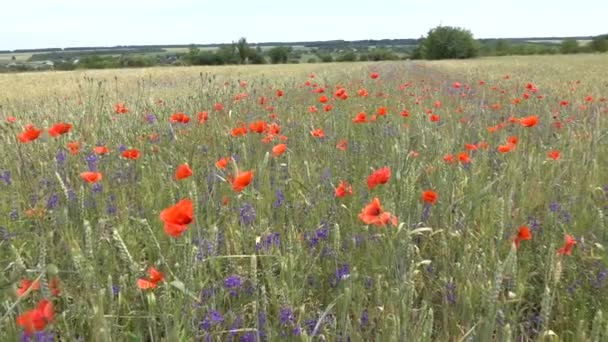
(347, 56)
(599, 44)
(325, 57)
(569, 46)
(382, 54)
(279, 54)
(447, 42)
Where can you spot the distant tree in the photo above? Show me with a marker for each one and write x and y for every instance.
(228, 54)
(445, 42)
(243, 50)
(569, 46)
(502, 47)
(347, 56)
(382, 54)
(599, 44)
(279, 54)
(13, 58)
(326, 57)
(311, 60)
(256, 56)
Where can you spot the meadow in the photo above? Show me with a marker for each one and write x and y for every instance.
(390, 201)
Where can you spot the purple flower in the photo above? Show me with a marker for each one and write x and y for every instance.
(92, 160)
(364, 320)
(554, 207)
(450, 293)
(97, 187)
(426, 211)
(343, 272)
(151, 118)
(212, 318)
(52, 202)
(246, 214)
(280, 199)
(270, 240)
(205, 248)
(6, 177)
(115, 289)
(286, 316)
(233, 283)
(39, 336)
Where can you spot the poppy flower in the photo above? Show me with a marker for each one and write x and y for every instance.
(373, 214)
(464, 157)
(374, 75)
(318, 133)
(382, 111)
(506, 148)
(101, 150)
(11, 119)
(218, 107)
(180, 117)
(60, 129)
(132, 154)
(279, 149)
(239, 131)
(29, 134)
(279, 92)
(177, 217)
(183, 171)
(470, 147)
(363, 92)
(323, 99)
(429, 196)
(223, 162)
(202, 117)
(313, 109)
(564, 103)
(512, 140)
(36, 319)
(154, 277)
(91, 177)
(380, 176)
(240, 182)
(342, 145)
(360, 118)
(456, 85)
(529, 121)
(73, 146)
(569, 242)
(27, 284)
(448, 158)
(434, 118)
(405, 113)
(120, 108)
(554, 154)
(522, 234)
(258, 126)
(343, 189)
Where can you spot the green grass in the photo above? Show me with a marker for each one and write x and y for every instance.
(446, 272)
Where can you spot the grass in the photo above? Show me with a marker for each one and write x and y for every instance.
(285, 259)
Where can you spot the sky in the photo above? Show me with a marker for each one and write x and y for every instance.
(68, 23)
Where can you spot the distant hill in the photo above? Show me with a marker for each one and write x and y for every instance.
(328, 43)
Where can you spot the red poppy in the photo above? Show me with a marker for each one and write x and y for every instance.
(456, 85)
(313, 109)
(279, 93)
(279, 149)
(405, 113)
(258, 126)
(342, 145)
(344, 189)
(29, 134)
(380, 176)
(239, 131)
(374, 75)
(470, 147)
(434, 118)
(59, 129)
(554, 154)
(154, 277)
(132, 154)
(223, 162)
(464, 158)
(564, 103)
(202, 117)
(569, 242)
(183, 171)
(373, 214)
(101, 150)
(318, 133)
(73, 146)
(25, 285)
(36, 319)
(180, 117)
(363, 92)
(91, 177)
(529, 121)
(177, 217)
(382, 111)
(120, 108)
(429, 196)
(523, 234)
(448, 158)
(11, 119)
(323, 99)
(360, 118)
(506, 148)
(218, 107)
(241, 181)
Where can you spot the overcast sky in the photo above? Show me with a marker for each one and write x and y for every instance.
(66, 23)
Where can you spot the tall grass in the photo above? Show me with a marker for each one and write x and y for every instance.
(285, 259)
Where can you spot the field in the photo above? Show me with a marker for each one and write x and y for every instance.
(393, 201)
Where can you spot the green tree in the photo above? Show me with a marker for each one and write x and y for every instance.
(569, 46)
(347, 56)
(599, 44)
(444, 42)
(278, 54)
(502, 47)
(243, 50)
